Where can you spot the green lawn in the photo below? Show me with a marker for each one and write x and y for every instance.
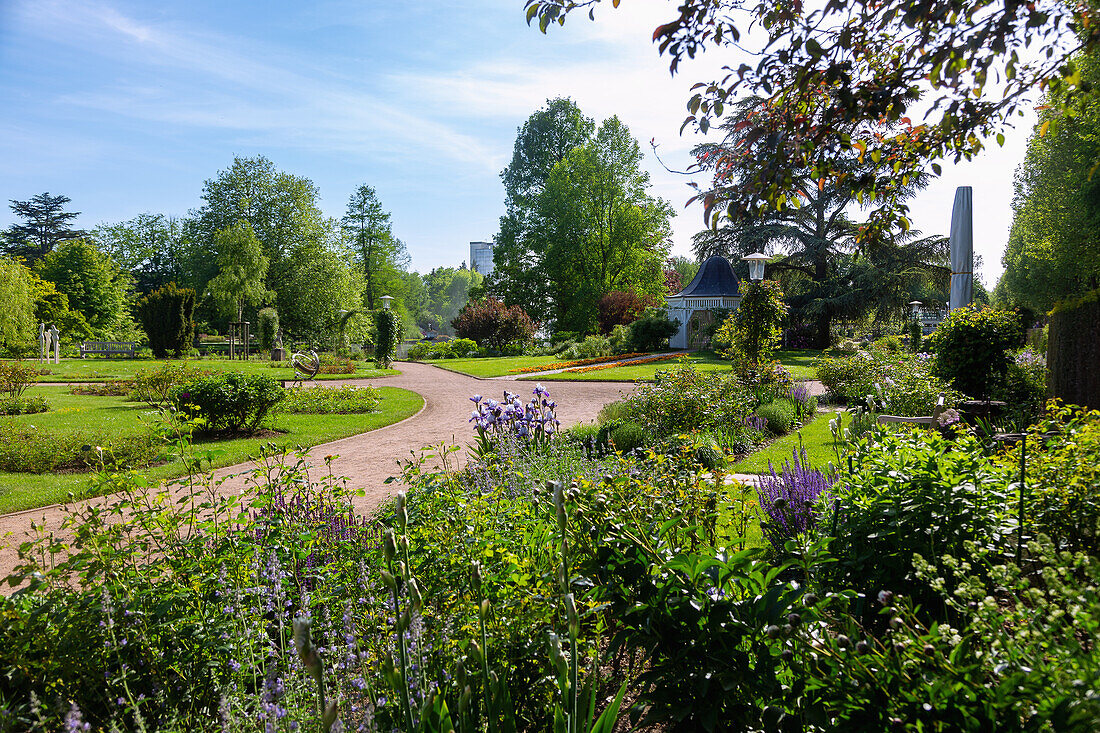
(115, 415)
(498, 366)
(96, 369)
(816, 439)
(798, 361)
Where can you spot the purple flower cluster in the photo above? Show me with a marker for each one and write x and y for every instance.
(333, 524)
(537, 419)
(756, 422)
(788, 498)
(800, 393)
(1028, 357)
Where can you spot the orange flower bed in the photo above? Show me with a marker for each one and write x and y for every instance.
(575, 363)
(650, 360)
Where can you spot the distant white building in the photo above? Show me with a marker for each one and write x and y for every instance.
(714, 286)
(481, 257)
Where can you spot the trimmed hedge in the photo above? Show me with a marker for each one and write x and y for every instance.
(230, 402)
(1073, 351)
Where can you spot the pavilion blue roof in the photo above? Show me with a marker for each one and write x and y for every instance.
(715, 278)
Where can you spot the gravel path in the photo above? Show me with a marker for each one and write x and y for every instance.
(368, 459)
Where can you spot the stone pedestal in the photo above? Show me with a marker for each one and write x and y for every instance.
(278, 354)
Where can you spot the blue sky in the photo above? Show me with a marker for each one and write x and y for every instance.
(127, 107)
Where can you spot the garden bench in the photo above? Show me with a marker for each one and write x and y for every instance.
(108, 348)
(931, 421)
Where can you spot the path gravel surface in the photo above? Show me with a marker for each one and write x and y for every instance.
(367, 460)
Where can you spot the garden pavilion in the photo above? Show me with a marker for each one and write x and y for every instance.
(714, 286)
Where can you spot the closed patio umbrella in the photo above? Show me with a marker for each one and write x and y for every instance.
(962, 248)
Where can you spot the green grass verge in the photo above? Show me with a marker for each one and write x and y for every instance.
(497, 366)
(95, 369)
(73, 413)
(798, 361)
(816, 439)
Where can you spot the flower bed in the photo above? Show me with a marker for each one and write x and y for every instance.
(650, 360)
(573, 363)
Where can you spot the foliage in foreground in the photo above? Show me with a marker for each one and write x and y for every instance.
(483, 600)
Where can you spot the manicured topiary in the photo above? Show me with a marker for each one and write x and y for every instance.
(267, 327)
(167, 316)
(387, 335)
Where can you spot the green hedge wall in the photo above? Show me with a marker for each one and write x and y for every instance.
(1073, 351)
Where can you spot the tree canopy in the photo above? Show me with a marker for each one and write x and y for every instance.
(151, 246)
(380, 254)
(580, 221)
(242, 269)
(91, 282)
(977, 60)
(45, 223)
(1053, 250)
(828, 267)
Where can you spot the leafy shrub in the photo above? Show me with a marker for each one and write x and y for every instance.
(344, 400)
(1063, 478)
(889, 344)
(790, 499)
(23, 405)
(779, 414)
(494, 325)
(903, 383)
(167, 316)
(154, 386)
(914, 491)
(584, 433)
(27, 449)
(619, 339)
(15, 377)
(698, 448)
(652, 330)
(451, 349)
(972, 348)
(628, 435)
(618, 409)
(267, 328)
(683, 399)
(1024, 388)
(766, 380)
(916, 333)
(590, 348)
(753, 330)
(619, 308)
(230, 402)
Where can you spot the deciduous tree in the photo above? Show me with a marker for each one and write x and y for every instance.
(1053, 249)
(242, 268)
(151, 246)
(17, 313)
(90, 280)
(543, 141)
